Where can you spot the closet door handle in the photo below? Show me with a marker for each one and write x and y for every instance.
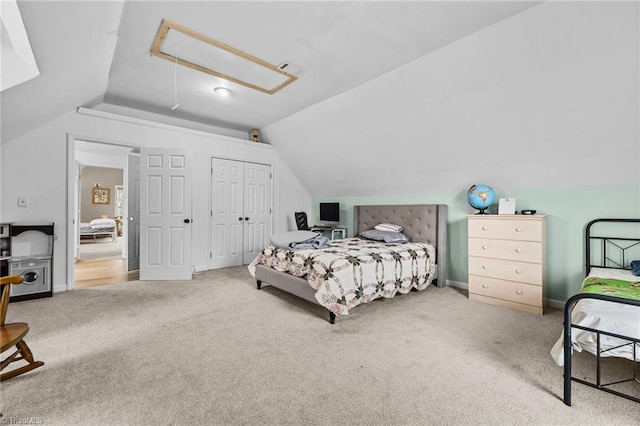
(187, 221)
(246, 218)
(240, 219)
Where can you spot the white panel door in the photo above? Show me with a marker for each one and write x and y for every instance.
(240, 211)
(133, 212)
(257, 209)
(165, 215)
(227, 220)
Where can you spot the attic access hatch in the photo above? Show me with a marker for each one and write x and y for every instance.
(179, 44)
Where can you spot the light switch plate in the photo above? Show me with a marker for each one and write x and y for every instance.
(23, 201)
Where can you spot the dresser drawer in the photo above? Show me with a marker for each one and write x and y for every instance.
(510, 229)
(530, 273)
(506, 290)
(528, 251)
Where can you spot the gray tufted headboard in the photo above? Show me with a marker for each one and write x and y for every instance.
(421, 222)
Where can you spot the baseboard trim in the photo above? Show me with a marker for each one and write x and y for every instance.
(555, 303)
(457, 284)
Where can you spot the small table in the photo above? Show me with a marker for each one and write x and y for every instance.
(335, 231)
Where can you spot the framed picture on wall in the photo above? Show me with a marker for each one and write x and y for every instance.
(100, 195)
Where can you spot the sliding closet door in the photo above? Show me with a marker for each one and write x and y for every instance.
(227, 218)
(240, 211)
(257, 209)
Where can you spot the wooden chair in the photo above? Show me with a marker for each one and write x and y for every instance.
(12, 334)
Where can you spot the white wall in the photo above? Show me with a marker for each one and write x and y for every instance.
(108, 179)
(112, 158)
(35, 165)
(532, 101)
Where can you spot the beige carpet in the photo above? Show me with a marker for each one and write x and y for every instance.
(216, 351)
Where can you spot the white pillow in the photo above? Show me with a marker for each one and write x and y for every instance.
(388, 227)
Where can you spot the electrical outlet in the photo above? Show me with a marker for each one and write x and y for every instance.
(23, 201)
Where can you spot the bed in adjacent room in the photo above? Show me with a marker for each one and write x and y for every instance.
(353, 271)
(604, 319)
(99, 228)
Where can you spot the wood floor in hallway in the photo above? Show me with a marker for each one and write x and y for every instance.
(93, 273)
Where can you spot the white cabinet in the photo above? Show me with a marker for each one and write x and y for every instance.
(32, 251)
(507, 260)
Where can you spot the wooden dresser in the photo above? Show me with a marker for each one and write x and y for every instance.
(507, 260)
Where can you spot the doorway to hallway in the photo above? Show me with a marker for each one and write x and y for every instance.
(94, 273)
(99, 259)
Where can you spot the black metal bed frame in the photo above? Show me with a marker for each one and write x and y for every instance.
(605, 260)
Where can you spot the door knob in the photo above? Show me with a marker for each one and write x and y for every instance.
(187, 221)
(246, 218)
(239, 218)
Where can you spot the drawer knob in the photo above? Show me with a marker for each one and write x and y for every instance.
(485, 267)
(484, 247)
(518, 292)
(518, 271)
(518, 229)
(484, 228)
(485, 286)
(518, 250)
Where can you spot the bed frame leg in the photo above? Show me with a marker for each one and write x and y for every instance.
(568, 307)
(258, 284)
(332, 318)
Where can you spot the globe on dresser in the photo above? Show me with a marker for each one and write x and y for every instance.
(481, 197)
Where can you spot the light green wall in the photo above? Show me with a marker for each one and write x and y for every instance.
(568, 210)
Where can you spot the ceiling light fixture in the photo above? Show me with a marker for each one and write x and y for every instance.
(222, 91)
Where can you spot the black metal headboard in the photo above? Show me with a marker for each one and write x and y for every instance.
(616, 249)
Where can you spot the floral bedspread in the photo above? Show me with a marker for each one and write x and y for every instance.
(612, 287)
(354, 271)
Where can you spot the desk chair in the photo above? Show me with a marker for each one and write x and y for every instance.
(301, 221)
(12, 334)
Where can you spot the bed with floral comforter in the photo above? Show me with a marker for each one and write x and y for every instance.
(352, 271)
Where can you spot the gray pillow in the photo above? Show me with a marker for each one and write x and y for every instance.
(386, 236)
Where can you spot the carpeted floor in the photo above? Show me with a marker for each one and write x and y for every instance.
(216, 351)
(102, 248)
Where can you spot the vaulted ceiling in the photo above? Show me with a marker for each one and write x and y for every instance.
(97, 54)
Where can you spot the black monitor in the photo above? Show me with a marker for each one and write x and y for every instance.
(330, 212)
